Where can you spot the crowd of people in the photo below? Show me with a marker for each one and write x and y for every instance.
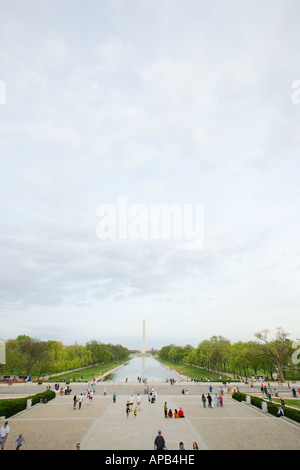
(214, 398)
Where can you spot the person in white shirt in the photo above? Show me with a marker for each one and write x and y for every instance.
(4, 431)
(80, 400)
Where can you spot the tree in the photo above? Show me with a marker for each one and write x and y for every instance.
(238, 358)
(254, 353)
(164, 351)
(176, 354)
(220, 351)
(58, 356)
(278, 350)
(26, 356)
(14, 357)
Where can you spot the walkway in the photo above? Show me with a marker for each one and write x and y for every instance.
(103, 424)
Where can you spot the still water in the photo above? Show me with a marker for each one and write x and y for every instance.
(144, 367)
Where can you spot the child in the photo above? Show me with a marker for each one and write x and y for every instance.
(20, 441)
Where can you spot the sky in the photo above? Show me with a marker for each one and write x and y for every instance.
(153, 102)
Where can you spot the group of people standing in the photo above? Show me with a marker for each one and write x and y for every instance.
(130, 405)
(79, 399)
(217, 399)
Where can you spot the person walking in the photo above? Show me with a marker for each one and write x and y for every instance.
(159, 442)
(4, 431)
(127, 408)
(166, 409)
(74, 402)
(20, 441)
(131, 401)
(203, 400)
(80, 400)
(209, 400)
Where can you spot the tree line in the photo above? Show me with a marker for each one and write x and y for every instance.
(241, 358)
(30, 356)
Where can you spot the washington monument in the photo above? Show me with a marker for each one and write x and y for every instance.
(143, 340)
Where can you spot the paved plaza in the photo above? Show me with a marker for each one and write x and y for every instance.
(102, 424)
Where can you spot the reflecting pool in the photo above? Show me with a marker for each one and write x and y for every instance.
(144, 367)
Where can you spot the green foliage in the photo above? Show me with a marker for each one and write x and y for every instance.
(242, 359)
(239, 396)
(193, 372)
(13, 406)
(27, 356)
(86, 374)
(278, 351)
(272, 407)
(256, 401)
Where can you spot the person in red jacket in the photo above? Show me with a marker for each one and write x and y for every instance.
(181, 414)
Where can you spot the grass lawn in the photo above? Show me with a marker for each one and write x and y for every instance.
(194, 372)
(87, 374)
(295, 403)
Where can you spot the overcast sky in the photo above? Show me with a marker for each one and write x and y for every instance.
(161, 102)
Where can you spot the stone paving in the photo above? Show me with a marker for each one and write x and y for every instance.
(103, 424)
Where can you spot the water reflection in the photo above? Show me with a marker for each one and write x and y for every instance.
(144, 367)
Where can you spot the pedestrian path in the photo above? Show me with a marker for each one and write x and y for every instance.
(115, 430)
(103, 425)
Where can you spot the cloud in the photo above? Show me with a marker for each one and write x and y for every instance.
(164, 103)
